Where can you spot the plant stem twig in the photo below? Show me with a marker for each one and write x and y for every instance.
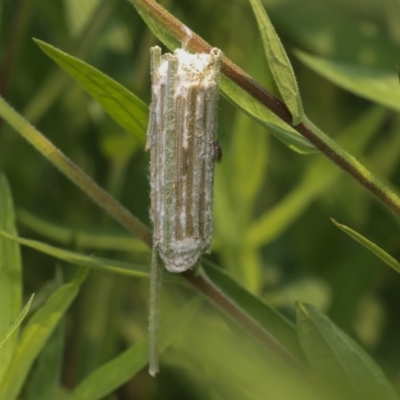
(322, 142)
(154, 314)
(208, 289)
(75, 174)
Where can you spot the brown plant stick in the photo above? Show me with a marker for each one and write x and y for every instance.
(247, 83)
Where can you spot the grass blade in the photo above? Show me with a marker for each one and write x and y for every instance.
(338, 359)
(122, 368)
(124, 107)
(269, 321)
(83, 259)
(16, 323)
(372, 247)
(35, 335)
(45, 378)
(92, 239)
(265, 117)
(10, 276)
(279, 63)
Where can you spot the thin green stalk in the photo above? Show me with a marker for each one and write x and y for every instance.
(95, 240)
(75, 174)
(321, 141)
(154, 314)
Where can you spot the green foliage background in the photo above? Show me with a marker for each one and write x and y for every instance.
(273, 232)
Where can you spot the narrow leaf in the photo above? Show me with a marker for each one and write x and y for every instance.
(124, 107)
(279, 63)
(10, 276)
(265, 117)
(92, 239)
(372, 247)
(378, 85)
(44, 380)
(338, 359)
(35, 335)
(45, 377)
(266, 318)
(124, 367)
(16, 323)
(82, 259)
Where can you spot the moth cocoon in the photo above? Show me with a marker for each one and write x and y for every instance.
(181, 133)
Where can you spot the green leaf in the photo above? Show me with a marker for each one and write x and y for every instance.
(338, 359)
(124, 367)
(266, 318)
(124, 107)
(95, 240)
(16, 323)
(35, 335)
(233, 92)
(45, 378)
(378, 85)
(372, 247)
(279, 63)
(82, 259)
(237, 368)
(265, 117)
(10, 276)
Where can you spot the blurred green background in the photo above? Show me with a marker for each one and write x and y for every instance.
(272, 206)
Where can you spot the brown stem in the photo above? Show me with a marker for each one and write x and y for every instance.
(247, 83)
(210, 291)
